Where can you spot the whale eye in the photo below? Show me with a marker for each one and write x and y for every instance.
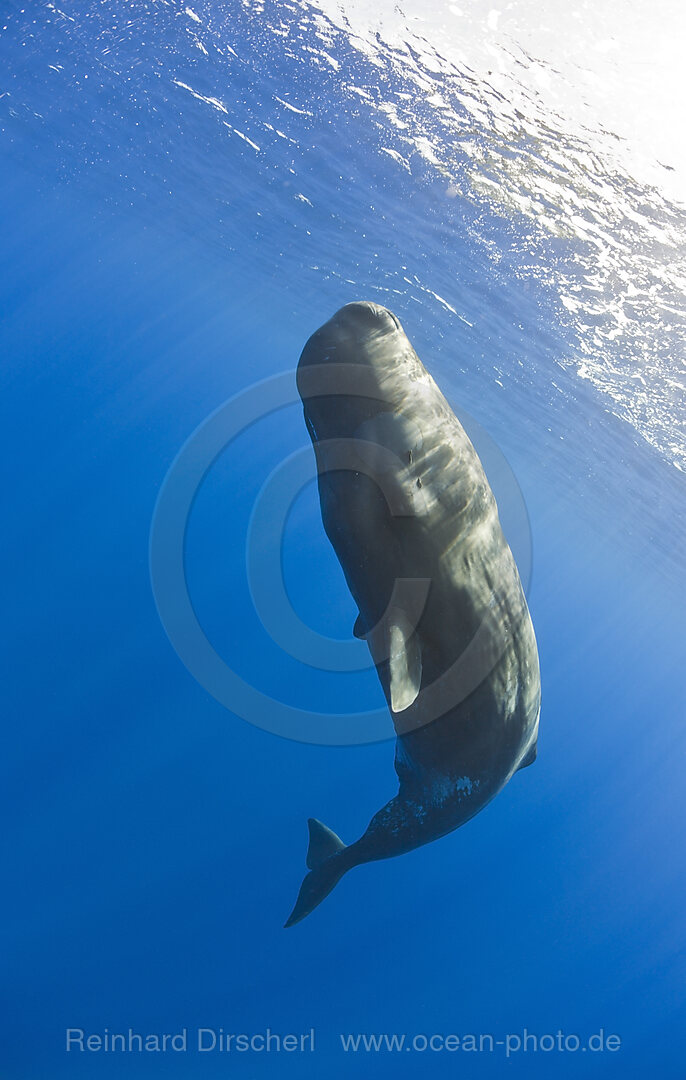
(409, 457)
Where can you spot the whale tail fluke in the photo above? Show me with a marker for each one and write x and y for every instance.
(326, 869)
(323, 842)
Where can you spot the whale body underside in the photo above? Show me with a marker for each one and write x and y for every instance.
(408, 509)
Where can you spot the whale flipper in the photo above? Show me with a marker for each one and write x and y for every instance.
(404, 652)
(327, 867)
(405, 663)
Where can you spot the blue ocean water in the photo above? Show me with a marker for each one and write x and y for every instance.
(186, 194)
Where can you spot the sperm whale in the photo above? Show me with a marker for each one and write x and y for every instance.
(407, 507)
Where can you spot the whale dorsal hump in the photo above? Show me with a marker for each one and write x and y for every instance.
(405, 662)
(529, 759)
(323, 842)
